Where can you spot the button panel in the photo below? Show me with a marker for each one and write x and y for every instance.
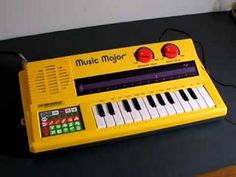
(60, 121)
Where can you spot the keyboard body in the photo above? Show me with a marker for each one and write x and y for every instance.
(92, 97)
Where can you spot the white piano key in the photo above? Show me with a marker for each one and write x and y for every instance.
(152, 110)
(144, 112)
(161, 109)
(117, 116)
(134, 112)
(170, 109)
(99, 120)
(200, 99)
(108, 117)
(206, 96)
(126, 115)
(179, 109)
(191, 101)
(185, 104)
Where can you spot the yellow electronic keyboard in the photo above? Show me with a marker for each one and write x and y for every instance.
(103, 95)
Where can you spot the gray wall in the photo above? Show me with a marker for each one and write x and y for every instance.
(27, 17)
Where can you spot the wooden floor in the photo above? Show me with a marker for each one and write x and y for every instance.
(224, 172)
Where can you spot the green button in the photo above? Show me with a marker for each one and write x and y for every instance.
(65, 130)
(52, 127)
(64, 125)
(72, 129)
(77, 123)
(78, 128)
(53, 132)
(71, 124)
(58, 126)
(59, 131)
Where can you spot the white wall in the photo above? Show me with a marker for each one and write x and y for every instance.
(27, 17)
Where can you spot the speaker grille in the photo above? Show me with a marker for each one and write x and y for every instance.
(49, 79)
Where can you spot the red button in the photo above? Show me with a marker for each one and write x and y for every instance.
(76, 118)
(44, 124)
(57, 121)
(144, 55)
(70, 119)
(64, 120)
(45, 131)
(51, 122)
(170, 51)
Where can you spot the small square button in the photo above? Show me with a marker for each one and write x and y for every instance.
(48, 114)
(64, 120)
(45, 131)
(43, 119)
(57, 121)
(68, 110)
(74, 109)
(53, 132)
(54, 113)
(52, 127)
(78, 128)
(76, 118)
(44, 124)
(71, 124)
(64, 125)
(69, 119)
(58, 126)
(72, 129)
(59, 131)
(43, 114)
(77, 123)
(51, 122)
(65, 130)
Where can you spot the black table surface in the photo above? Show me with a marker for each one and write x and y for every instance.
(181, 152)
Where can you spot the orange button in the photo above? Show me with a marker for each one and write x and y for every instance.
(144, 55)
(170, 51)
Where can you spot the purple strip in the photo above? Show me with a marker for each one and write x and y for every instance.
(146, 77)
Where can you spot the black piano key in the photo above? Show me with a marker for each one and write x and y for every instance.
(110, 108)
(136, 104)
(151, 101)
(191, 92)
(100, 110)
(126, 105)
(169, 98)
(183, 95)
(160, 99)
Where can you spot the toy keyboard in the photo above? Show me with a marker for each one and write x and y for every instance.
(109, 94)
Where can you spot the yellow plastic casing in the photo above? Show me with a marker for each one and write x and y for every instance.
(49, 85)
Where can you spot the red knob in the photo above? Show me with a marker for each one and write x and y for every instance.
(170, 51)
(144, 55)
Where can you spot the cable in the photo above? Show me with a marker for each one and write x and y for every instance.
(223, 84)
(229, 121)
(189, 36)
(172, 29)
(18, 54)
(202, 59)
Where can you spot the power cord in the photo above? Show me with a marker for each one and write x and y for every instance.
(202, 58)
(202, 51)
(17, 54)
(189, 36)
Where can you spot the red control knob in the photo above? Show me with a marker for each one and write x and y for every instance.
(170, 51)
(144, 55)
